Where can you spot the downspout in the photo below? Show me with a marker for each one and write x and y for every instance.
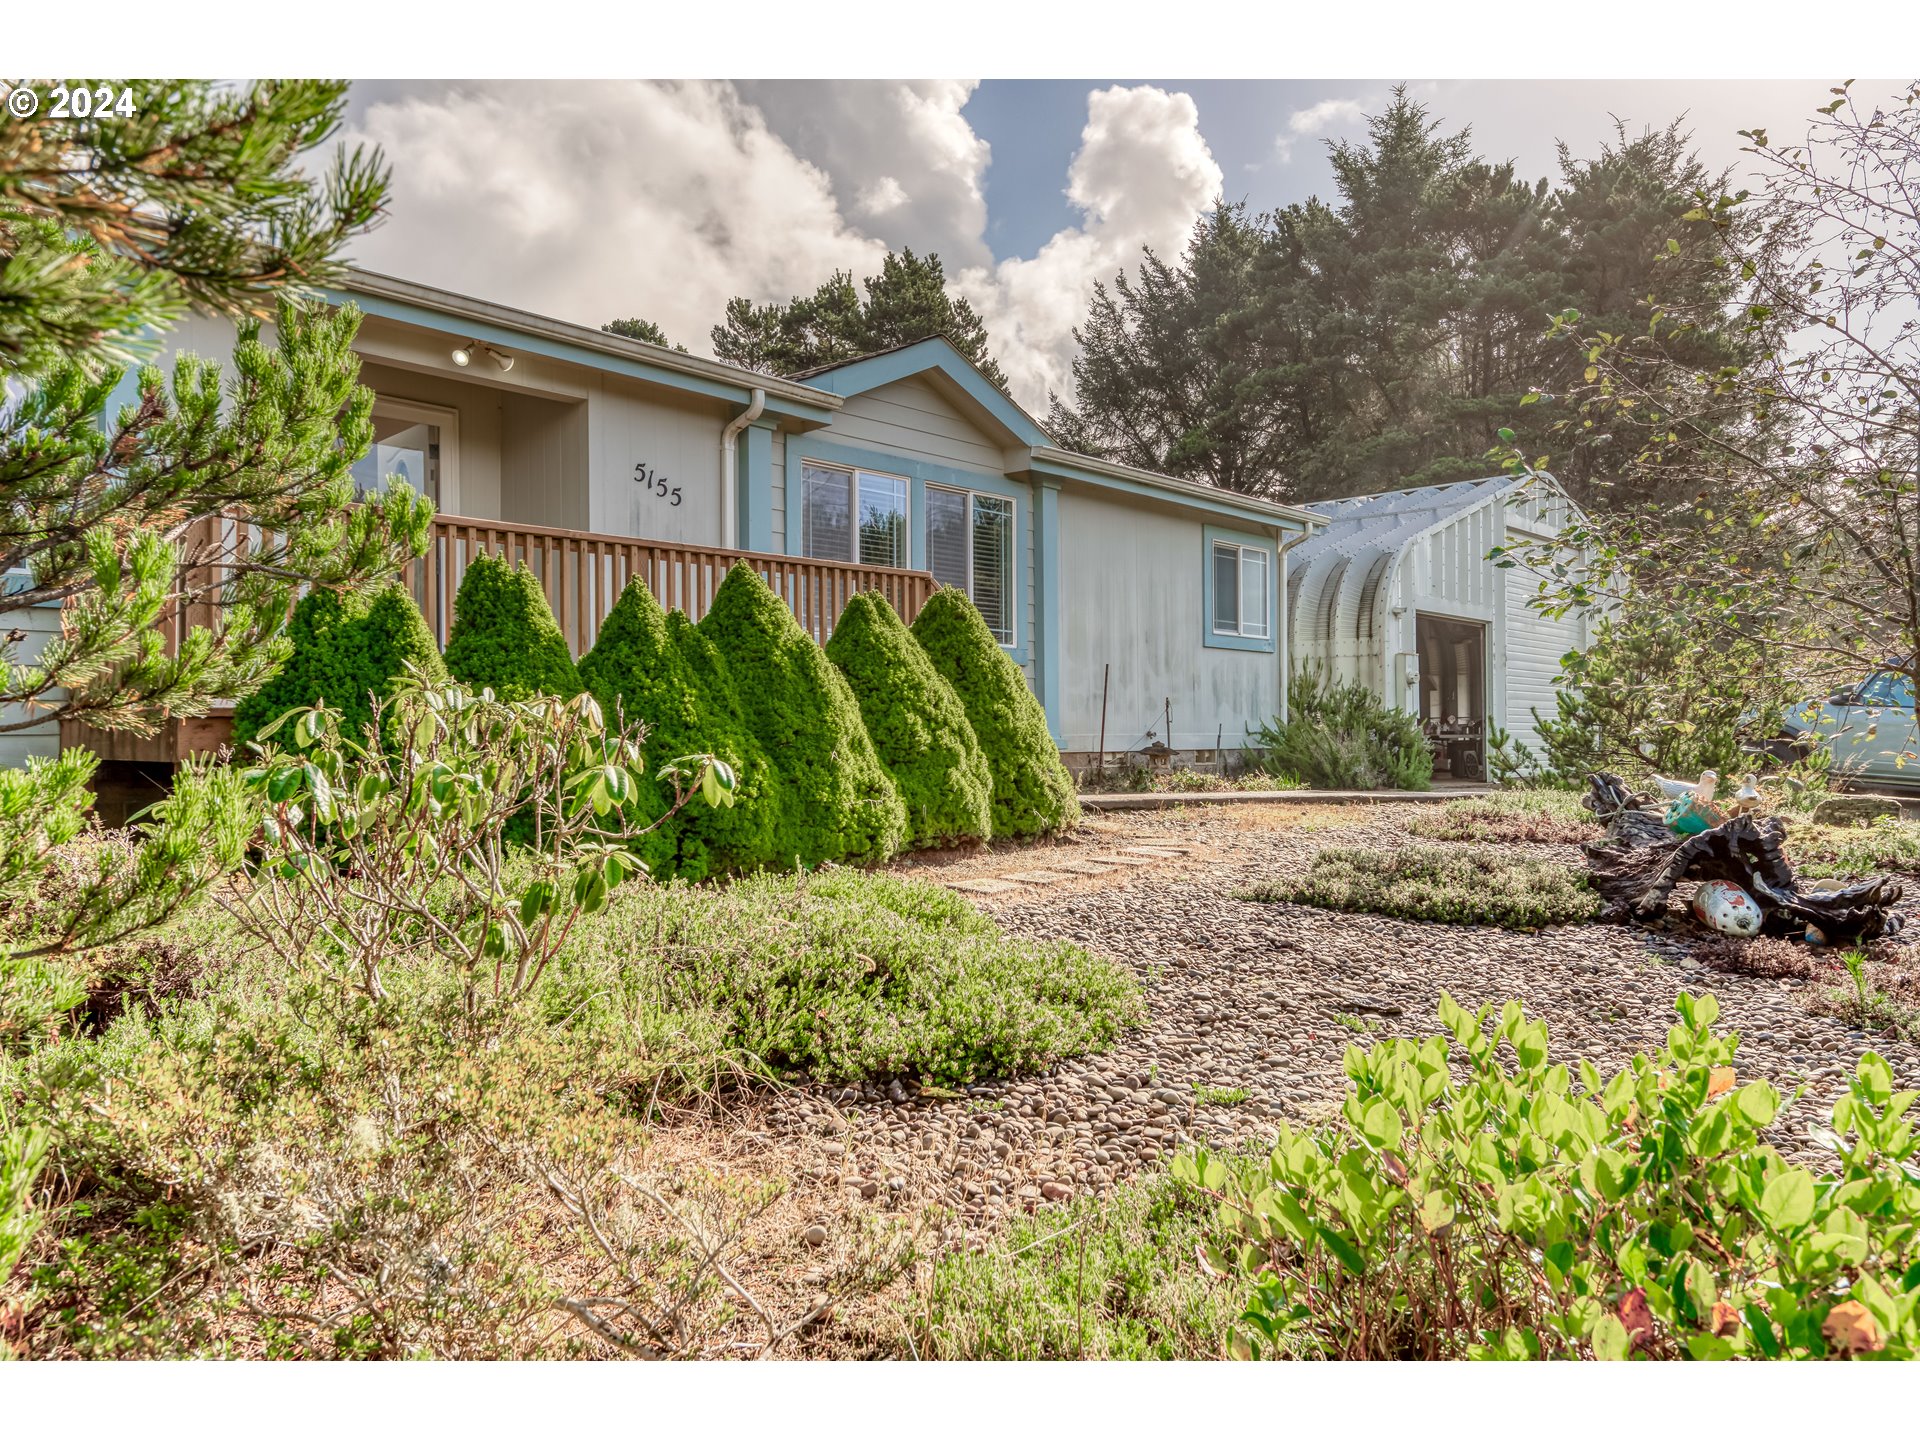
(729, 466)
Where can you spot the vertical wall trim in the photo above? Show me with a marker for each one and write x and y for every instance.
(1048, 644)
(754, 476)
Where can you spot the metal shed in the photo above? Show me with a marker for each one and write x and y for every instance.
(1398, 592)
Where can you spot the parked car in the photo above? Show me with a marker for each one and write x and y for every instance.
(1868, 728)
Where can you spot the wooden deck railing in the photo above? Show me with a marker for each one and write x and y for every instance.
(583, 574)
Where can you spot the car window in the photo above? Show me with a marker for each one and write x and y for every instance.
(1888, 689)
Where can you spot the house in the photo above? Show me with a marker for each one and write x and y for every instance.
(1400, 592)
(1144, 609)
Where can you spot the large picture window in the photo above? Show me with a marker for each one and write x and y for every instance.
(970, 547)
(854, 515)
(1241, 595)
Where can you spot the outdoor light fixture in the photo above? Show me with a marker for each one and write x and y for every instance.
(463, 354)
(500, 358)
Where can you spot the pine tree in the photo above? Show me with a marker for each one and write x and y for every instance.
(917, 723)
(837, 802)
(504, 636)
(1032, 792)
(108, 233)
(906, 302)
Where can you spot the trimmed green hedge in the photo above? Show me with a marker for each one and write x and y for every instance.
(916, 722)
(345, 650)
(1032, 792)
(657, 668)
(837, 802)
(504, 635)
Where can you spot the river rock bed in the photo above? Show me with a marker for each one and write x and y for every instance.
(1265, 998)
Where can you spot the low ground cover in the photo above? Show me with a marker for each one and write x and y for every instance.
(1458, 885)
(1534, 817)
(1140, 780)
(1106, 1278)
(1839, 850)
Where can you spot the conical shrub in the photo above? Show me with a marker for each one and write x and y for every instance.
(346, 649)
(504, 635)
(657, 668)
(837, 801)
(917, 724)
(1032, 792)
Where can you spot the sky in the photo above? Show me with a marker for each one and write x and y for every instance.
(591, 200)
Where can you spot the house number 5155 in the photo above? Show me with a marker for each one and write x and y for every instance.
(656, 485)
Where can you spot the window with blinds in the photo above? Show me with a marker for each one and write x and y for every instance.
(970, 547)
(853, 515)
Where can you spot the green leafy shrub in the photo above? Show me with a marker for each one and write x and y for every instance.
(346, 650)
(504, 637)
(848, 975)
(917, 724)
(1663, 692)
(1338, 736)
(1532, 817)
(837, 801)
(1456, 885)
(1107, 1278)
(1530, 1211)
(657, 668)
(1032, 792)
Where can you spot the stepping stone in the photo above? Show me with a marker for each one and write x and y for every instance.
(982, 887)
(1125, 859)
(1085, 867)
(1036, 877)
(1159, 852)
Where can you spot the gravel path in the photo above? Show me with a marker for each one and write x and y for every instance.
(1251, 996)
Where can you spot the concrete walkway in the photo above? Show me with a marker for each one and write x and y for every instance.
(1169, 799)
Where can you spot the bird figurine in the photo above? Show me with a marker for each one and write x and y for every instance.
(1747, 798)
(1701, 789)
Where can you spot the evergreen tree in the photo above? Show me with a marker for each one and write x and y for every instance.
(917, 723)
(504, 635)
(1032, 792)
(837, 802)
(643, 330)
(906, 302)
(108, 232)
(655, 667)
(347, 650)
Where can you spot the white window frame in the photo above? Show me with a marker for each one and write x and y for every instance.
(1241, 630)
(853, 474)
(448, 420)
(1013, 552)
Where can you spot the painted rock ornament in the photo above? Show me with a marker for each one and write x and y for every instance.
(1722, 905)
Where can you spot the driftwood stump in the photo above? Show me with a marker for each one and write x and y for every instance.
(1637, 866)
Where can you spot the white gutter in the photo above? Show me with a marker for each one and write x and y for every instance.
(729, 464)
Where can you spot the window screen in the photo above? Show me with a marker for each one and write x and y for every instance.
(947, 537)
(827, 519)
(1226, 589)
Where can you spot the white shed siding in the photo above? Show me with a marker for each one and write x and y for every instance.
(1535, 645)
(41, 622)
(912, 417)
(1132, 596)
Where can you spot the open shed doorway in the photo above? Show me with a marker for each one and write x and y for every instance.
(1453, 694)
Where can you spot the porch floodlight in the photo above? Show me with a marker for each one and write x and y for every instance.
(463, 354)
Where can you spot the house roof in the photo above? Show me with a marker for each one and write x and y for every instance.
(1339, 577)
(935, 354)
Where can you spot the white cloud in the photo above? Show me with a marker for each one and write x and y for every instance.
(1142, 177)
(898, 149)
(590, 202)
(1316, 120)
